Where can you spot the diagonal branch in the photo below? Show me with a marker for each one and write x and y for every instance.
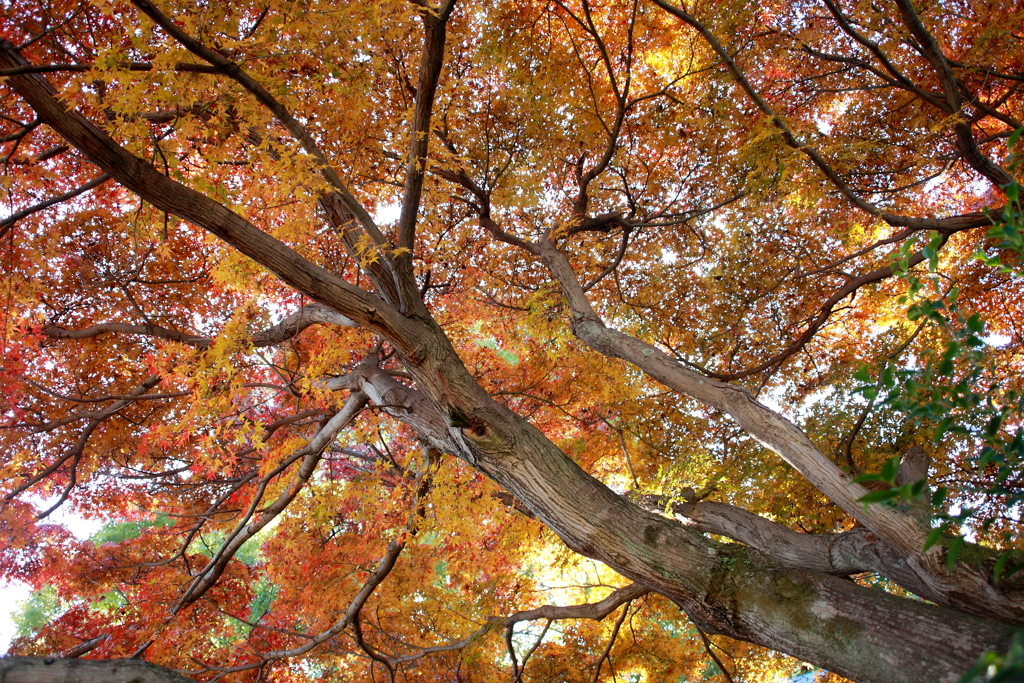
(246, 529)
(851, 552)
(76, 451)
(773, 431)
(8, 223)
(342, 208)
(951, 89)
(896, 75)
(611, 642)
(822, 317)
(236, 73)
(383, 569)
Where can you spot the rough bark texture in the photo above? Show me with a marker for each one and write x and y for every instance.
(53, 670)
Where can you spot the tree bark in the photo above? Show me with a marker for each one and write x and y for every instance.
(54, 670)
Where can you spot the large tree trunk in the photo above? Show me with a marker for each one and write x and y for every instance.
(730, 589)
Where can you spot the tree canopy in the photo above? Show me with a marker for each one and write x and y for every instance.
(562, 340)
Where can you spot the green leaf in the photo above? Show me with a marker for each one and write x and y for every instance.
(1014, 137)
(1012, 191)
(997, 571)
(890, 468)
(975, 324)
(933, 258)
(932, 539)
(879, 496)
(1014, 569)
(941, 429)
(862, 374)
(954, 552)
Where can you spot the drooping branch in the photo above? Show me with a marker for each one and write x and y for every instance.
(594, 611)
(289, 327)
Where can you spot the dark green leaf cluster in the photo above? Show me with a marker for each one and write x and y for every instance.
(957, 391)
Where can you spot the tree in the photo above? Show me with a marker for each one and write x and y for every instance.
(565, 293)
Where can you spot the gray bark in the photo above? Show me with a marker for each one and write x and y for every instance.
(54, 670)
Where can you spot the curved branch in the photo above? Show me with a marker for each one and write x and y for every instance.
(291, 326)
(595, 610)
(616, 260)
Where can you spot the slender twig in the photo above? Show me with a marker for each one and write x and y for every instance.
(611, 641)
(711, 653)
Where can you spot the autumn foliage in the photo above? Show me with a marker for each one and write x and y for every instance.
(285, 285)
